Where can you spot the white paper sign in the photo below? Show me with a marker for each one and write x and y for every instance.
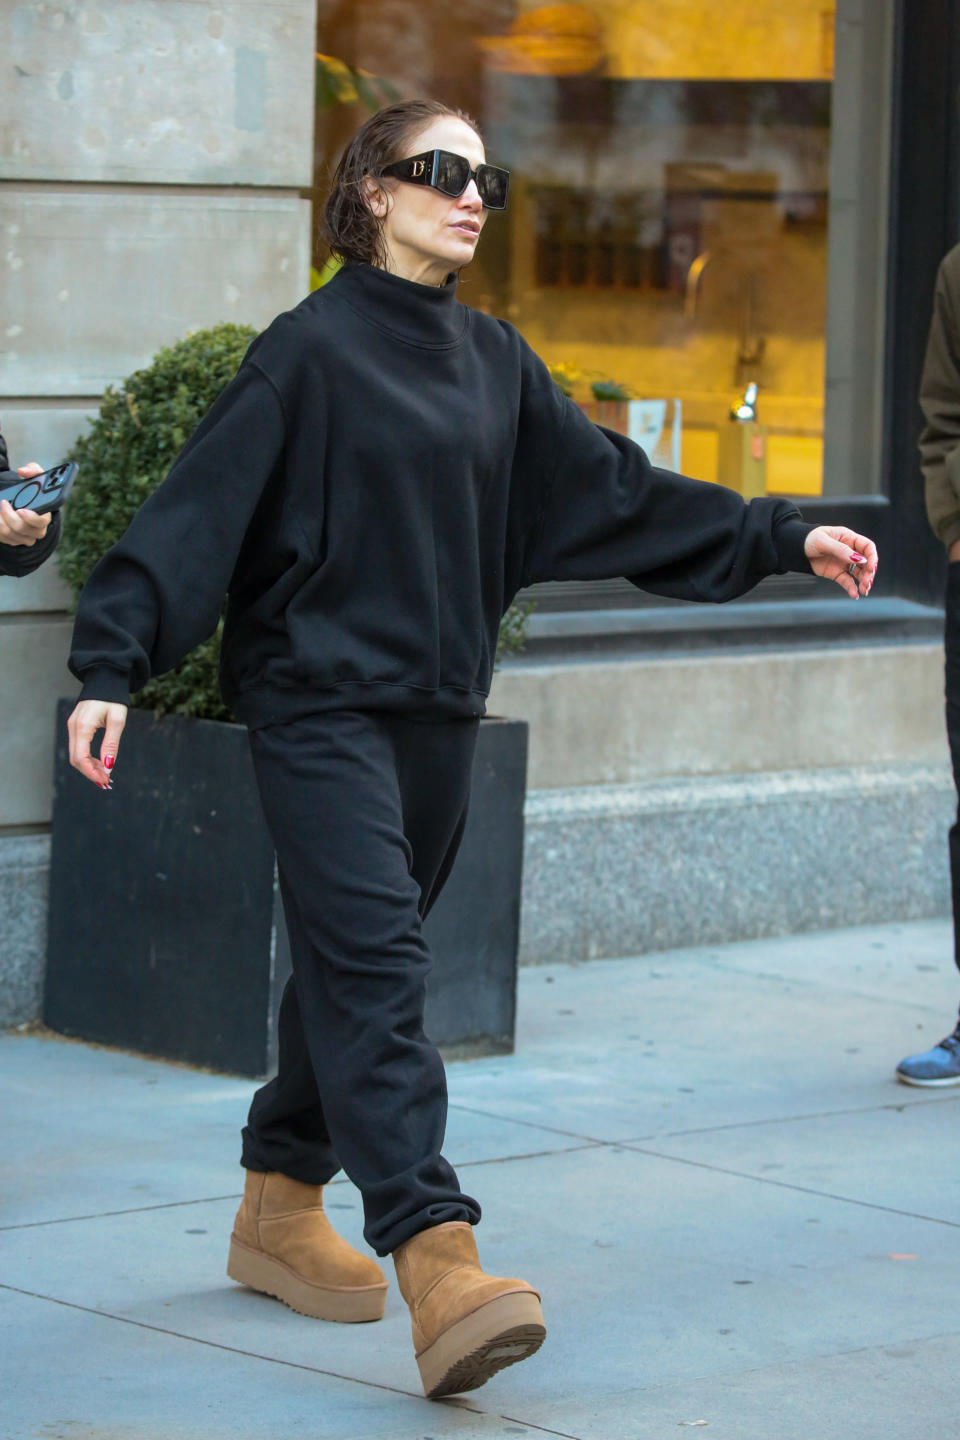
(656, 426)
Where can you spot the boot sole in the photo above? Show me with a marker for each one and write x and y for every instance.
(349, 1305)
(502, 1332)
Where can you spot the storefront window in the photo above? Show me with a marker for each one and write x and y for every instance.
(697, 206)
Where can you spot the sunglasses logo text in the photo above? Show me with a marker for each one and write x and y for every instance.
(419, 168)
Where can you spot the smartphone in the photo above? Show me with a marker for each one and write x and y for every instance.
(41, 493)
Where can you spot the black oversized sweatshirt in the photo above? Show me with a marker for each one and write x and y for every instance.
(384, 473)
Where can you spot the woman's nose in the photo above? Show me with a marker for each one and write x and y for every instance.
(471, 196)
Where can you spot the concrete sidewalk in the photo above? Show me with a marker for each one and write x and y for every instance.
(741, 1225)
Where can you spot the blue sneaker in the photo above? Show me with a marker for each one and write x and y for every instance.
(939, 1066)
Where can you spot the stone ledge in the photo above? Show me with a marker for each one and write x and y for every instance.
(24, 874)
(696, 793)
(626, 869)
(633, 720)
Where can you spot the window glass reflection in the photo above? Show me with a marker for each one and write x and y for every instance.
(667, 233)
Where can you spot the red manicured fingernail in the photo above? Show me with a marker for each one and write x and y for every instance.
(859, 559)
(103, 787)
(108, 761)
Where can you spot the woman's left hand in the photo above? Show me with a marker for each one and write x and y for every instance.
(833, 549)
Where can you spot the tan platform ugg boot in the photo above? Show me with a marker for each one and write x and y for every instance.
(466, 1325)
(284, 1245)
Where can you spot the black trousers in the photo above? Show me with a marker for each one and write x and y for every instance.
(366, 811)
(951, 639)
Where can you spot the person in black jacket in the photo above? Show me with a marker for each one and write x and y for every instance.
(939, 1066)
(26, 539)
(386, 471)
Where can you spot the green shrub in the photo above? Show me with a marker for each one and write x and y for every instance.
(609, 390)
(140, 430)
(513, 629)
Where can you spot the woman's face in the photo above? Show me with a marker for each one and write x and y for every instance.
(428, 234)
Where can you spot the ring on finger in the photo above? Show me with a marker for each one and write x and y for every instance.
(852, 569)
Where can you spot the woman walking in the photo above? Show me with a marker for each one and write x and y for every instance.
(387, 469)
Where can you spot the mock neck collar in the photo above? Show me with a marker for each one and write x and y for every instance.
(429, 316)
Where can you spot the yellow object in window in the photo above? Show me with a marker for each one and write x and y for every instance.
(551, 40)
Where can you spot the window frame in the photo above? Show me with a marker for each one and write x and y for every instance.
(923, 223)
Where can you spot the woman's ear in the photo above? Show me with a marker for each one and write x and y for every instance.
(376, 197)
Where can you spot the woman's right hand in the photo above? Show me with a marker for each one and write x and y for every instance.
(23, 527)
(88, 717)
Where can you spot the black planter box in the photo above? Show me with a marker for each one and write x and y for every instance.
(166, 932)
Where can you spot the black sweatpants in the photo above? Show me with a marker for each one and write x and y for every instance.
(366, 810)
(951, 641)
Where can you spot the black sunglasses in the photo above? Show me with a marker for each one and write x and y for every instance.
(451, 174)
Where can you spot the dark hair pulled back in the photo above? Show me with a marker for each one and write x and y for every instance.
(352, 230)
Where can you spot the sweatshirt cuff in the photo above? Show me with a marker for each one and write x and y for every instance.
(789, 537)
(105, 683)
(21, 560)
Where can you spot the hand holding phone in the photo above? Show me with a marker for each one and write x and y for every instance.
(40, 493)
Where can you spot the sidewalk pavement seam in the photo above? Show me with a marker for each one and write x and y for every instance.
(589, 1143)
(112, 1214)
(532, 1155)
(461, 1408)
(898, 1105)
(213, 1199)
(529, 1124)
(788, 1185)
